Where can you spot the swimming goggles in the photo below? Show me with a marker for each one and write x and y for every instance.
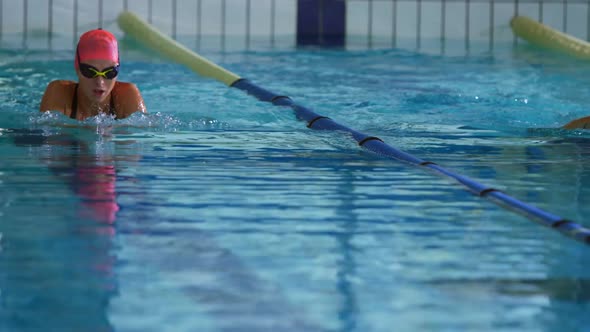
(89, 71)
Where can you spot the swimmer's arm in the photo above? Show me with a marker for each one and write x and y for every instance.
(129, 100)
(581, 123)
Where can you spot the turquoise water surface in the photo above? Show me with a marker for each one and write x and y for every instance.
(217, 212)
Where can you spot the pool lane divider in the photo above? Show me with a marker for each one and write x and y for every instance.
(546, 37)
(143, 32)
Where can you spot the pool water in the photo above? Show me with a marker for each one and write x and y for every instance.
(218, 212)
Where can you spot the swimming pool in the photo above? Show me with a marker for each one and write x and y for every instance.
(218, 212)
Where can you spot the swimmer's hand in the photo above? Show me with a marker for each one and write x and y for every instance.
(581, 123)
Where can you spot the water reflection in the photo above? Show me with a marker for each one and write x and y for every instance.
(58, 270)
(91, 177)
(220, 287)
(576, 290)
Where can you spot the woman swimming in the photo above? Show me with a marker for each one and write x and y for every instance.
(97, 90)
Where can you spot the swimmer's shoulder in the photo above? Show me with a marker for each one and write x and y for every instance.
(128, 99)
(60, 89)
(581, 123)
(125, 87)
(58, 86)
(58, 96)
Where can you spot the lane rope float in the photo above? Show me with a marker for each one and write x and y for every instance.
(544, 36)
(153, 38)
(541, 35)
(144, 33)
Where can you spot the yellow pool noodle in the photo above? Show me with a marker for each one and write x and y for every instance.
(151, 37)
(541, 35)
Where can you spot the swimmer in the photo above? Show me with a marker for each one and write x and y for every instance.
(97, 90)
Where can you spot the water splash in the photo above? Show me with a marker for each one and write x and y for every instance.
(104, 123)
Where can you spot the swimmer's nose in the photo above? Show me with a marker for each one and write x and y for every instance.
(99, 81)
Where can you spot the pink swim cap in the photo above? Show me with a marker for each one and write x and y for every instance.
(97, 45)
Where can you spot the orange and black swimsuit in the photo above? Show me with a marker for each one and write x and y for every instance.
(75, 104)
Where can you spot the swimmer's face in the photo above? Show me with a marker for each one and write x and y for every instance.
(97, 89)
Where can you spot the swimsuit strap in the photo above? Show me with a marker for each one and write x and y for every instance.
(74, 102)
(112, 105)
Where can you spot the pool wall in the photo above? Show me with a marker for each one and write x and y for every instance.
(244, 24)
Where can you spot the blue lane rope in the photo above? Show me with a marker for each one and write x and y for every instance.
(376, 145)
(151, 37)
